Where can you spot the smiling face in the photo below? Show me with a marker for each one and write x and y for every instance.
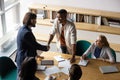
(99, 42)
(61, 17)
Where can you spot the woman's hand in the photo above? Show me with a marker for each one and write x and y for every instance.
(83, 57)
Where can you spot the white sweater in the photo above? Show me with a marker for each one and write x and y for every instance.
(105, 53)
(69, 33)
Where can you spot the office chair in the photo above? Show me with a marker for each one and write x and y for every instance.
(8, 70)
(114, 54)
(81, 47)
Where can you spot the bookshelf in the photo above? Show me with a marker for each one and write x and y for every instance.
(84, 19)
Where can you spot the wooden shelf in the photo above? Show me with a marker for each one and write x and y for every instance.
(76, 10)
(108, 29)
(83, 11)
(85, 26)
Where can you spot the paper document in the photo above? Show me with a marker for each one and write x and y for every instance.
(65, 63)
(41, 68)
(59, 58)
(83, 62)
(51, 70)
(65, 70)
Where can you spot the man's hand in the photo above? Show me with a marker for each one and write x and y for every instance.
(39, 57)
(72, 59)
(48, 47)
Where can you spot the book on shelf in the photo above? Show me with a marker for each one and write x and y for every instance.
(105, 21)
(74, 17)
(86, 19)
(40, 14)
(93, 19)
(54, 14)
(90, 20)
(115, 25)
(79, 18)
(98, 20)
(114, 22)
(47, 14)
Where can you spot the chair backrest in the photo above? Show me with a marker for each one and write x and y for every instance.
(82, 46)
(6, 65)
(113, 53)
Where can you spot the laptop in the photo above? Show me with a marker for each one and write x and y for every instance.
(108, 69)
(47, 62)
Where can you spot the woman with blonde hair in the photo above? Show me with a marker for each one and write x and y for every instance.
(100, 49)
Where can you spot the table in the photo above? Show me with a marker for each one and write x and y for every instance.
(90, 72)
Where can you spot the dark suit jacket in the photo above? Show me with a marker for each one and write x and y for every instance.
(26, 45)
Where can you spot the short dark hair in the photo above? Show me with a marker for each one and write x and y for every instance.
(75, 72)
(28, 68)
(27, 18)
(62, 12)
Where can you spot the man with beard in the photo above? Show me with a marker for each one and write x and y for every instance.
(65, 32)
(26, 42)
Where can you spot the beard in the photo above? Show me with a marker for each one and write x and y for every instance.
(33, 25)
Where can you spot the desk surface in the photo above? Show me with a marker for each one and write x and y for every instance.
(90, 72)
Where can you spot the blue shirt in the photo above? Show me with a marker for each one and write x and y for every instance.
(97, 52)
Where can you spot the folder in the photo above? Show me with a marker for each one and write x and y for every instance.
(108, 69)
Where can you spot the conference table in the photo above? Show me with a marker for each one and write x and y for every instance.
(90, 72)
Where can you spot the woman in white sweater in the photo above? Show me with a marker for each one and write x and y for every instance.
(100, 49)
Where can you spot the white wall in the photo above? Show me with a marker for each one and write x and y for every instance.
(108, 5)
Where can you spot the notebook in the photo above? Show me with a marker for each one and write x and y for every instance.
(41, 68)
(59, 58)
(47, 62)
(108, 69)
(83, 62)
